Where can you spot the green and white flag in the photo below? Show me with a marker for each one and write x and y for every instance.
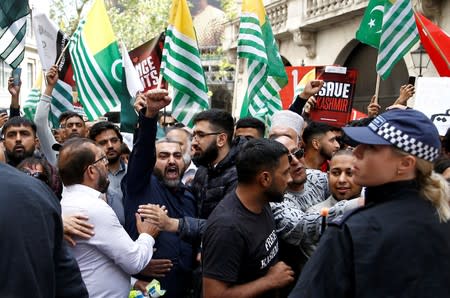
(266, 72)
(181, 65)
(97, 63)
(399, 35)
(369, 31)
(62, 101)
(13, 25)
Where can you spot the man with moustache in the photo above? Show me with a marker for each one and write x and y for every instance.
(214, 154)
(183, 136)
(20, 139)
(240, 245)
(108, 136)
(154, 177)
(297, 228)
(109, 257)
(320, 144)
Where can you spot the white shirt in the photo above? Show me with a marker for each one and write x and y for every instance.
(108, 259)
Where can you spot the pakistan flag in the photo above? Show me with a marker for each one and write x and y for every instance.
(369, 31)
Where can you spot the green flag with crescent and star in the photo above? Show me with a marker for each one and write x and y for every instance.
(369, 31)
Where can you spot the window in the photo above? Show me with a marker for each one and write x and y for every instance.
(30, 75)
(5, 73)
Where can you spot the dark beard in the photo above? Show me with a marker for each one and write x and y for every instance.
(207, 157)
(274, 195)
(103, 184)
(15, 158)
(114, 159)
(324, 154)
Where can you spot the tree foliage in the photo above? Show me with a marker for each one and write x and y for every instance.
(134, 21)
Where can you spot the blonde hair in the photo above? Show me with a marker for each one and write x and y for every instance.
(432, 186)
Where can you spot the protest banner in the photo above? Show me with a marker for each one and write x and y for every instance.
(433, 99)
(147, 60)
(335, 100)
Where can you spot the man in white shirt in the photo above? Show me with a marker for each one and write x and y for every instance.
(108, 258)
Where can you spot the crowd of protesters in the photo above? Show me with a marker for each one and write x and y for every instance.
(226, 209)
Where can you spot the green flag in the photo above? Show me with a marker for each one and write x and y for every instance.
(181, 65)
(399, 35)
(96, 63)
(13, 25)
(369, 31)
(266, 71)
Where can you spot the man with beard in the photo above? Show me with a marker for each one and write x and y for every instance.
(154, 177)
(109, 257)
(19, 139)
(108, 136)
(296, 227)
(183, 136)
(320, 144)
(214, 156)
(240, 245)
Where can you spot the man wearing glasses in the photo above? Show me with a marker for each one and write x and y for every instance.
(109, 257)
(215, 157)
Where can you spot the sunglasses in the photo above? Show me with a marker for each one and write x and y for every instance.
(297, 154)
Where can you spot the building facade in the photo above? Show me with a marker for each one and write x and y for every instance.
(322, 32)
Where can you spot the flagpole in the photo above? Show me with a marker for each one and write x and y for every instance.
(62, 53)
(377, 89)
(432, 40)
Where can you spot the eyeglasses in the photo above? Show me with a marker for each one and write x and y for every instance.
(38, 175)
(103, 158)
(297, 154)
(201, 135)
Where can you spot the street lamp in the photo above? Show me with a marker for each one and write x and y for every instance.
(420, 59)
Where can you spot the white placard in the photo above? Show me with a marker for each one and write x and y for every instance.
(433, 99)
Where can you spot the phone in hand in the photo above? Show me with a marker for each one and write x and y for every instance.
(3, 111)
(412, 81)
(16, 75)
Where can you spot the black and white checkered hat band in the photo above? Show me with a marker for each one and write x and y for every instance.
(406, 143)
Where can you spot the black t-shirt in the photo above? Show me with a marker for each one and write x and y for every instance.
(239, 246)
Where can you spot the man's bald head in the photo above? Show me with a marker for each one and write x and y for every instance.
(74, 157)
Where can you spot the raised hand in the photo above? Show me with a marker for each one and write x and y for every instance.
(311, 88)
(156, 99)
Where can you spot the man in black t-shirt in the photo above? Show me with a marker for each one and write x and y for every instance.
(240, 246)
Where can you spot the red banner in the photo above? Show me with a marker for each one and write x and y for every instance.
(147, 60)
(335, 100)
(298, 76)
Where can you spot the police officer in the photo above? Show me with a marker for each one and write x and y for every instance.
(398, 244)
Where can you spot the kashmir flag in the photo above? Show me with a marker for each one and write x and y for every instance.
(369, 31)
(267, 74)
(50, 43)
(399, 34)
(62, 101)
(181, 65)
(437, 44)
(96, 61)
(13, 25)
(132, 84)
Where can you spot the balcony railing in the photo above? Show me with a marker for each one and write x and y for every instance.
(320, 7)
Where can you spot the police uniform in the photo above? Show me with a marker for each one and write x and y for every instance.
(395, 246)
